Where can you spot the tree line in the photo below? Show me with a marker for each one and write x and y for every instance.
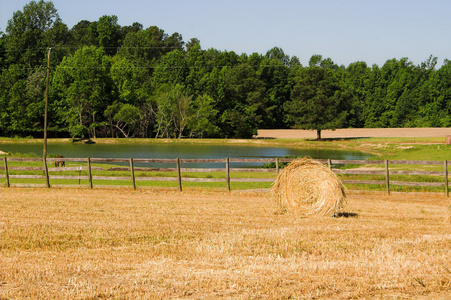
(108, 80)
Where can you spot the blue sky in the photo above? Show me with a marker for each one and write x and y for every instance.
(344, 30)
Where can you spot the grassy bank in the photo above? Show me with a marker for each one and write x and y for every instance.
(256, 141)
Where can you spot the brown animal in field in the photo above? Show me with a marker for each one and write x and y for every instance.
(60, 163)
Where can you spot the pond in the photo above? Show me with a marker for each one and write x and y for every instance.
(183, 151)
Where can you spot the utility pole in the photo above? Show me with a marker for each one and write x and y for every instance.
(44, 154)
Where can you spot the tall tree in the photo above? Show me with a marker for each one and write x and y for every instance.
(29, 34)
(317, 102)
(356, 76)
(375, 91)
(108, 34)
(275, 76)
(192, 43)
(173, 111)
(244, 103)
(277, 53)
(25, 41)
(134, 87)
(436, 110)
(83, 89)
(130, 81)
(21, 101)
(172, 69)
(135, 27)
(84, 33)
(123, 117)
(146, 47)
(202, 118)
(198, 70)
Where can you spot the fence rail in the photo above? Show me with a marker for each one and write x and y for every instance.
(8, 172)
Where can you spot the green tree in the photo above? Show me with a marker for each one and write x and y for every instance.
(133, 86)
(25, 40)
(244, 102)
(397, 77)
(84, 33)
(83, 89)
(375, 91)
(275, 75)
(318, 101)
(124, 117)
(192, 43)
(21, 100)
(58, 38)
(108, 34)
(146, 47)
(202, 118)
(436, 110)
(130, 81)
(29, 34)
(225, 58)
(135, 27)
(172, 111)
(198, 70)
(357, 75)
(172, 69)
(278, 54)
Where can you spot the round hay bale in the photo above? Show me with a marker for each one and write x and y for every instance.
(309, 188)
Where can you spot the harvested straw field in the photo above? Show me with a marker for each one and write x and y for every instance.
(147, 244)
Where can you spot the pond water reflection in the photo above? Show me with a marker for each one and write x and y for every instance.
(183, 151)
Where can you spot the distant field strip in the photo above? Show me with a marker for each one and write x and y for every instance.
(355, 133)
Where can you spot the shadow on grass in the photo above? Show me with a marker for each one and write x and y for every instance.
(345, 215)
(337, 139)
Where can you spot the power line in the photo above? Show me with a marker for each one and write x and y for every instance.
(154, 67)
(97, 47)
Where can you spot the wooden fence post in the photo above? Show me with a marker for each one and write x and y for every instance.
(46, 173)
(387, 177)
(329, 163)
(79, 174)
(179, 175)
(228, 173)
(5, 160)
(88, 160)
(277, 166)
(446, 178)
(132, 169)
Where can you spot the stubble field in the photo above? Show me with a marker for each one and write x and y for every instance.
(355, 133)
(153, 244)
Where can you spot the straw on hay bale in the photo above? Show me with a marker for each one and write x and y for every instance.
(309, 188)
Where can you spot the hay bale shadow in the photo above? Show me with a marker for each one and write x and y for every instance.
(345, 215)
